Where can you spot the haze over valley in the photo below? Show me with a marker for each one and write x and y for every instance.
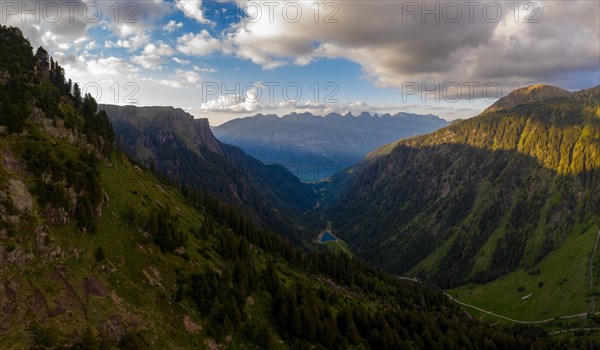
(315, 147)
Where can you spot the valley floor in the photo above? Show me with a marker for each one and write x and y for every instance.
(560, 296)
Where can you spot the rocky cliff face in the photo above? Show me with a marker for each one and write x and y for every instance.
(169, 122)
(17, 205)
(185, 150)
(198, 131)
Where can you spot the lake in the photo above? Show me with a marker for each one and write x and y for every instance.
(328, 237)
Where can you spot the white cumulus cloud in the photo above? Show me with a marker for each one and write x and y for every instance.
(172, 25)
(192, 9)
(200, 44)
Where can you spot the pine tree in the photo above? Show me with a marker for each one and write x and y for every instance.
(76, 94)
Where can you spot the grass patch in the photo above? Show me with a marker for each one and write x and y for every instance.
(560, 289)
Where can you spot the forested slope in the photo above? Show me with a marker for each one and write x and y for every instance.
(481, 197)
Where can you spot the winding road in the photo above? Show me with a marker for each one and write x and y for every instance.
(513, 320)
(581, 315)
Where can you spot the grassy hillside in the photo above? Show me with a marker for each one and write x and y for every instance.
(125, 292)
(561, 286)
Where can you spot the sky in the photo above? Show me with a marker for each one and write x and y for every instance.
(228, 59)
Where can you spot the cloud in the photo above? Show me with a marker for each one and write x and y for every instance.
(358, 107)
(148, 61)
(355, 107)
(46, 24)
(109, 66)
(180, 61)
(152, 56)
(91, 45)
(254, 100)
(193, 9)
(126, 18)
(133, 43)
(201, 44)
(188, 77)
(391, 46)
(181, 79)
(172, 26)
(160, 49)
(83, 67)
(204, 70)
(55, 23)
(234, 103)
(394, 44)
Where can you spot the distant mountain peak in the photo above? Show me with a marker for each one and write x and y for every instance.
(314, 147)
(528, 94)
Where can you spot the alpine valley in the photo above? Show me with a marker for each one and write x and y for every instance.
(126, 227)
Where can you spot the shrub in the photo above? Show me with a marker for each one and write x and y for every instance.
(99, 254)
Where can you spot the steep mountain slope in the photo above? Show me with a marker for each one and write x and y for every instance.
(479, 198)
(185, 150)
(314, 147)
(98, 253)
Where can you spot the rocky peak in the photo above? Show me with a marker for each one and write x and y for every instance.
(42, 65)
(204, 135)
(169, 122)
(13, 30)
(196, 130)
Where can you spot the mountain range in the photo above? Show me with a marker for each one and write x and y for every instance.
(314, 147)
